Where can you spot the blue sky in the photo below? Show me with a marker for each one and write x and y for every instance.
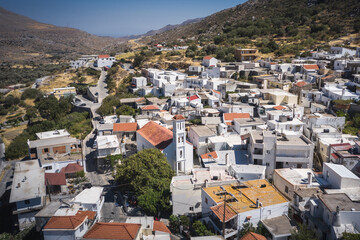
(116, 17)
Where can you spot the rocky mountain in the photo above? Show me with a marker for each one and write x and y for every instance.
(281, 18)
(24, 39)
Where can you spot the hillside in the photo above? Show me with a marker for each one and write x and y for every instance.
(321, 20)
(22, 38)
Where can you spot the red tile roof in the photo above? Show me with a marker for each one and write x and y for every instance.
(124, 127)
(232, 116)
(300, 83)
(341, 146)
(229, 123)
(311, 67)
(103, 56)
(178, 117)
(140, 99)
(253, 236)
(218, 210)
(207, 57)
(55, 179)
(90, 214)
(150, 107)
(65, 222)
(161, 227)
(216, 92)
(279, 107)
(335, 156)
(193, 97)
(72, 168)
(159, 136)
(123, 231)
(212, 154)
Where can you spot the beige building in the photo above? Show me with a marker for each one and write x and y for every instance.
(279, 97)
(64, 92)
(249, 54)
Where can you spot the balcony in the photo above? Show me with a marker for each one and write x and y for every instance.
(292, 159)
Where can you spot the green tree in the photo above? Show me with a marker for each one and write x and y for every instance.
(303, 233)
(199, 229)
(125, 110)
(185, 221)
(351, 236)
(148, 174)
(174, 223)
(247, 227)
(138, 60)
(31, 93)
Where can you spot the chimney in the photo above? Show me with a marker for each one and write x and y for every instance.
(257, 203)
(309, 179)
(227, 162)
(336, 220)
(206, 183)
(343, 93)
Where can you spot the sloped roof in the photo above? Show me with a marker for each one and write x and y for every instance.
(300, 83)
(123, 231)
(65, 222)
(150, 107)
(279, 107)
(178, 117)
(159, 136)
(55, 179)
(311, 67)
(253, 236)
(218, 210)
(104, 56)
(90, 214)
(212, 154)
(72, 168)
(232, 116)
(207, 57)
(160, 226)
(193, 97)
(124, 127)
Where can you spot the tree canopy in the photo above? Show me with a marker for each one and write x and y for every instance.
(148, 174)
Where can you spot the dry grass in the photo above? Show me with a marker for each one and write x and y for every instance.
(341, 40)
(19, 111)
(9, 134)
(63, 80)
(125, 55)
(30, 102)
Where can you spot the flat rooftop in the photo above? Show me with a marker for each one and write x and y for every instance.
(278, 226)
(244, 196)
(66, 140)
(53, 134)
(88, 196)
(203, 131)
(331, 201)
(28, 181)
(249, 122)
(342, 171)
(297, 176)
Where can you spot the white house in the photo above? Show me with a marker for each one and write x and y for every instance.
(107, 145)
(173, 144)
(139, 82)
(209, 61)
(90, 199)
(104, 61)
(247, 202)
(27, 191)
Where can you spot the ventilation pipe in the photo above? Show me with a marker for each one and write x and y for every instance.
(309, 179)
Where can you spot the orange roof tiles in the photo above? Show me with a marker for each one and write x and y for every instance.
(65, 222)
(123, 231)
(300, 83)
(232, 116)
(194, 97)
(253, 236)
(161, 227)
(72, 168)
(216, 92)
(55, 179)
(212, 154)
(124, 127)
(311, 67)
(208, 57)
(279, 107)
(178, 117)
(218, 210)
(159, 136)
(150, 107)
(103, 56)
(90, 214)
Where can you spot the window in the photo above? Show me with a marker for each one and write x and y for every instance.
(181, 154)
(267, 164)
(206, 200)
(82, 227)
(267, 151)
(191, 208)
(27, 201)
(46, 150)
(48, 167)
(286, 189)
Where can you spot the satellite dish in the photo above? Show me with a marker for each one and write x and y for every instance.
(197, 204)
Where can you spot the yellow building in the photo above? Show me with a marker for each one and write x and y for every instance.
(279, 97)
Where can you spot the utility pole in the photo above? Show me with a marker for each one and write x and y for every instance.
(223, 233)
